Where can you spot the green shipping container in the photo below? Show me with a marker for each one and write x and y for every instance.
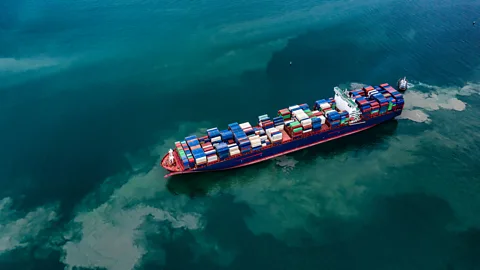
(297, 129)
(295, 123)
(390, 106)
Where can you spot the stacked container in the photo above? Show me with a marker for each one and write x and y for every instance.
(197, 151)
(222, 150)
(357, 92)
(233, 149)
(259, 131)
(317, 113)
(322, 104)
(247, 128)
(182, 155)
(344, 119)
(332, 103)
(226, 135)
(214, 135)
(294, 129)
(307, 125)
(294, 108)
(240, 137)
(375, 108)
(190, 158)
(333, 118)
(304, 106)
(204, 139)
(274, 135)
(396, 95)
(300, 115)
(210, 152)
(278, 122)
(264, 121)
(308, 112)
(364, 106)
(264, 140)
(382, 101)
(316, 123)
(285, 114)
(255, 142)
(368, 89)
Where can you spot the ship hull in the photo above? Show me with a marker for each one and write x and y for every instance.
(292, 146)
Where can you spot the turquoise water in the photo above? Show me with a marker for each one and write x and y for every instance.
(93, 93)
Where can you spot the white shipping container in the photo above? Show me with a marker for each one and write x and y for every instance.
(288, 122)
(293, 107)
(245, 125)
(306, 122)
(277, 136)
(236, 152)
(232, 145)
(264, 144)
(280, 127)
(325, 106)
(270, 130)
(216, 139)
(322, 118)
(255, 142)
(201, 160)
(264, 137)
(212, 158)
(306, 131)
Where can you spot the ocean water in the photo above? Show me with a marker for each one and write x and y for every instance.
(93, 93)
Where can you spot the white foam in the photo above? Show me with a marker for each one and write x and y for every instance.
(418, 103)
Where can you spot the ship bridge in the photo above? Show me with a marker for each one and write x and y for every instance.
(345, 103)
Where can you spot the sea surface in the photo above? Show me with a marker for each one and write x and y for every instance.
(94, 92)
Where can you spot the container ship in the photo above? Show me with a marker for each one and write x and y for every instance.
(294, 128)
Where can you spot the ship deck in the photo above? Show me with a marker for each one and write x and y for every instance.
(177, 167)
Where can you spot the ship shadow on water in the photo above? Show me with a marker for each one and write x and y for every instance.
(203, 184)
(372, 138)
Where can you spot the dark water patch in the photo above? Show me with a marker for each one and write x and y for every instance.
(74, 139)
(364, 51)
(401, 231)
(29, 259)
(202, 184)
(368, 140)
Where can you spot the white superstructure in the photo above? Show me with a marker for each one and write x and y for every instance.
(345, 103)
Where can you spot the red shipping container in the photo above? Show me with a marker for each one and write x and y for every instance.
(383, 85)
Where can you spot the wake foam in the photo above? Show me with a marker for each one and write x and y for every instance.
(419, 102)
(422, 98)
